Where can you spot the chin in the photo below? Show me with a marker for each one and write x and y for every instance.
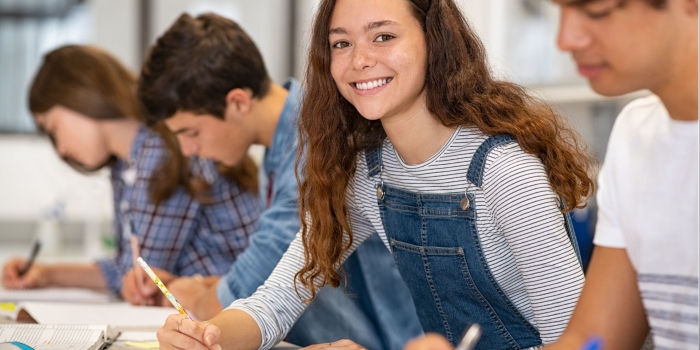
(370, 114)
(611, 87)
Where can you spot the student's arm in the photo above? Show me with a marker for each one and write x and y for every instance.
(47, 275)
(525, 208)
(276, 228)
(610, 305)
(274, 307)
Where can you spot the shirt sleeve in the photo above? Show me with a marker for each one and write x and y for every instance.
(608, 232)
(525, 209)
(276, 228)
(275, 306)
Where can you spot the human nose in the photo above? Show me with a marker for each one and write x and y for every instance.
(572, 35)
(362, 57)
(188, 147)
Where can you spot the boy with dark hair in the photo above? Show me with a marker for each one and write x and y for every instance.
(206, 80)
(644, 271)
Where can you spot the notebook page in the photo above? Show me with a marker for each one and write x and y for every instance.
(76, 295)
(54, 337)
(122, 316)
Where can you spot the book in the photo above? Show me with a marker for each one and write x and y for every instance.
(59, 337)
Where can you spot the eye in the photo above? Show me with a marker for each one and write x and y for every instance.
(340, 45)
(383, 37)
(193, 133)
(599, 9)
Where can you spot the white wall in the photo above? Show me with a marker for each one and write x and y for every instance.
(266, 21)
(34, 180)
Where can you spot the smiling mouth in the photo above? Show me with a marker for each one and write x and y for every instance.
(372, 84)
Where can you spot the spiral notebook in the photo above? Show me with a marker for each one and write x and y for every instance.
(58, 337)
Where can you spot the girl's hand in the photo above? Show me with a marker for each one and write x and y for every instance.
(36, 277)
(181, 333)
(431, 341)
(343, 344)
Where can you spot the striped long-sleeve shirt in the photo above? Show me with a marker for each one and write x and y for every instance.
(521, 229)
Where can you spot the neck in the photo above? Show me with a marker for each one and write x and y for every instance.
(120, 135)
(266, 112)
(679, 93)
(416, 135)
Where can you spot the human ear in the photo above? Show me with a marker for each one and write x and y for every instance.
(238, 103)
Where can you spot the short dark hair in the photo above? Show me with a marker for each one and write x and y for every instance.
(195, 64)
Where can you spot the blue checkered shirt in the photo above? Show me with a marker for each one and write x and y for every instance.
(181, 235)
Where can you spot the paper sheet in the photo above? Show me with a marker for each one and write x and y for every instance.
(121, 316)
(76, 295)
(137, 336)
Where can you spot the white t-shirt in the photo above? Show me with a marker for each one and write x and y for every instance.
(648, 204)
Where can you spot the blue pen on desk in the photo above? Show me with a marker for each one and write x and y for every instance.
(593, 343)
(32, 257)
(471, 337)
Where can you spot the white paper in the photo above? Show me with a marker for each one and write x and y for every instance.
(121, 316)
(76, 295)
(54, 337)
(138, 336)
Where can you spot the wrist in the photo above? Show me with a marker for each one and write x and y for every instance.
(46, 275)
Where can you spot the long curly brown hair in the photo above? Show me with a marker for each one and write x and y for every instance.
(460, 91)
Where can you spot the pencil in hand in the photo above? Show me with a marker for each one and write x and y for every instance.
(162, 287)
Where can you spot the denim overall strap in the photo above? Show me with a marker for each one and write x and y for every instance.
(437, 250)
(475, 175)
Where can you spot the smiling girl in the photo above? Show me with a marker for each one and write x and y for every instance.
(465, 178)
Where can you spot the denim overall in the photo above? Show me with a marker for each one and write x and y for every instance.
(436, 248)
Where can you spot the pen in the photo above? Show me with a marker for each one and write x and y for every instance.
(162, 287)
(32, 257)
(135, 253)
(471, 337)
(593, 343)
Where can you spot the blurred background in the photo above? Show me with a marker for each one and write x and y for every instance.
(42, 197)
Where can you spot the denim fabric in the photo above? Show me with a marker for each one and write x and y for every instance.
(446, 272)
(378, 313)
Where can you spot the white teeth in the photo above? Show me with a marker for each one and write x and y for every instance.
(372, 84)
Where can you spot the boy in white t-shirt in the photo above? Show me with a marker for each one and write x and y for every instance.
(644, 270)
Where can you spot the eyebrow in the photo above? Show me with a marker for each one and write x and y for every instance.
(575, 3)
(368, 27)
(180, 131)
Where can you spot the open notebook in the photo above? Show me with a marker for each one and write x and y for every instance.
(58, 337)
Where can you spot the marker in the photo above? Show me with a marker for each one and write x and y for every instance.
(162, 287)
(593, 343)
(471, 337)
